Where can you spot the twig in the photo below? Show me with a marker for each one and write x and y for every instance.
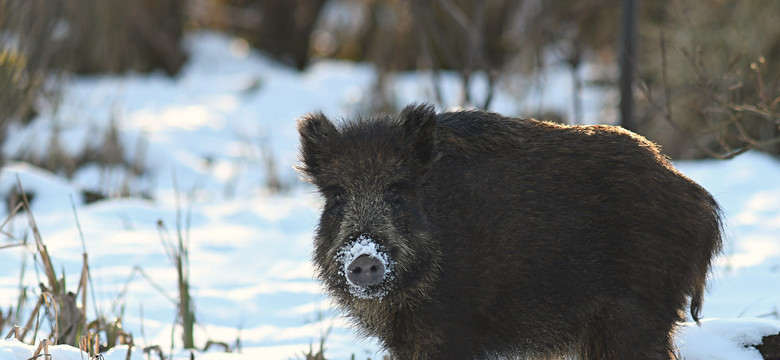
(42, 350)
(48, 268)
(51, 303)
(11, 215)
(86, 276)
(6, 246)
(15, 332)
(750, 109)
(33, 316)
(141, 271)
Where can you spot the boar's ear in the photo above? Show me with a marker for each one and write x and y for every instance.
(419, 123)
(315, 131)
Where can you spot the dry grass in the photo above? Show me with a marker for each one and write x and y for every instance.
(178, 253)
(63, 309)
(59, 312)
(120, 170)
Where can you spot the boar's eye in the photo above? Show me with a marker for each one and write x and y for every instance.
(395, 193)
(334, 195)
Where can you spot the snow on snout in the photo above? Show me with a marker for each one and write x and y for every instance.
(365, 245)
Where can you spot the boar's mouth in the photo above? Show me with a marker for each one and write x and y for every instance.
(366, 267)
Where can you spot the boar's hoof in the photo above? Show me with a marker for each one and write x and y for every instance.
(366, 270)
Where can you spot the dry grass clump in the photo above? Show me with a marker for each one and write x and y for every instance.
(41, 40)
(95, 36)
(120, 170)
(59, 312)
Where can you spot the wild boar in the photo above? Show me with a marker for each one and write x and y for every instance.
(470, 235)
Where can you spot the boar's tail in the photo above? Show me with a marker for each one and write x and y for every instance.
(711, 243)
(696, 302)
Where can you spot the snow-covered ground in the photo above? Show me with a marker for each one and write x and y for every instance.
(204, 138)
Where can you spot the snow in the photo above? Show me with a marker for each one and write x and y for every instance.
(716, 338)
(204, 138)
(13, 349)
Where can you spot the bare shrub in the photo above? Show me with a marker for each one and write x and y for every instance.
(26, 53)
(711, 79)
(94, 36)
(116, 36)
(707, 72)
(40, 39)
(460, 35)
(18, 87)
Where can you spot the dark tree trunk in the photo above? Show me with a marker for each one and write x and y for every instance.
(285, 29)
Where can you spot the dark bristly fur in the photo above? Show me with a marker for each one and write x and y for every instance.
(511, 237)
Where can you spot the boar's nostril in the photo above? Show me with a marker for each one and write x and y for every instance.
(366, 270)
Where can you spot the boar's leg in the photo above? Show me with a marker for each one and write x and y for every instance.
(630, 330)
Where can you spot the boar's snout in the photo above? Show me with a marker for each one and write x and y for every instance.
(366, 266)
(366, 270)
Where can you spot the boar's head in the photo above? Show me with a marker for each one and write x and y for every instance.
(374, 240)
